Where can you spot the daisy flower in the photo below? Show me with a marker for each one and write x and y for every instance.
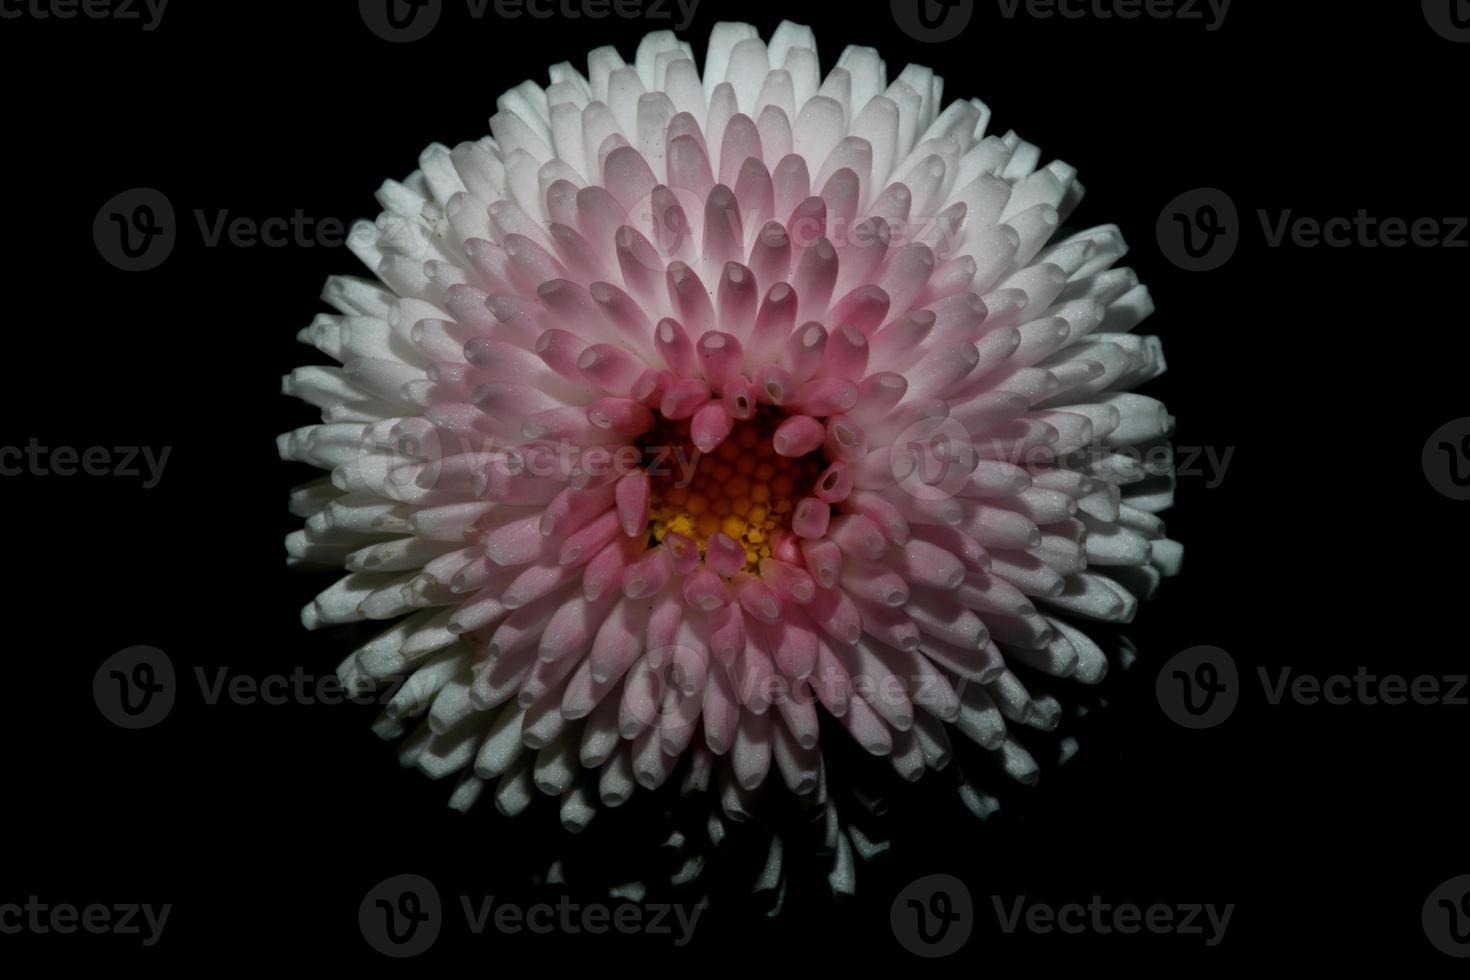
(695, 419)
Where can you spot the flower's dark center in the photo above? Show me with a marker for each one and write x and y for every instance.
(744, 488)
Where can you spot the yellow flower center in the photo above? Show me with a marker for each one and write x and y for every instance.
(743, 489)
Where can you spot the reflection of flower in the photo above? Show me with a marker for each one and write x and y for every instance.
(687, 409)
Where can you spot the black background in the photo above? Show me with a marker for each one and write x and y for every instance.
(1324, 547)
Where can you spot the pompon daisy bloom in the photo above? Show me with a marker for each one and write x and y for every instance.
(693, 414)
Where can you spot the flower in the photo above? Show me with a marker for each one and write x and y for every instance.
(690, 409)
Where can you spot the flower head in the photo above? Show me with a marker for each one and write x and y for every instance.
(690, 408)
